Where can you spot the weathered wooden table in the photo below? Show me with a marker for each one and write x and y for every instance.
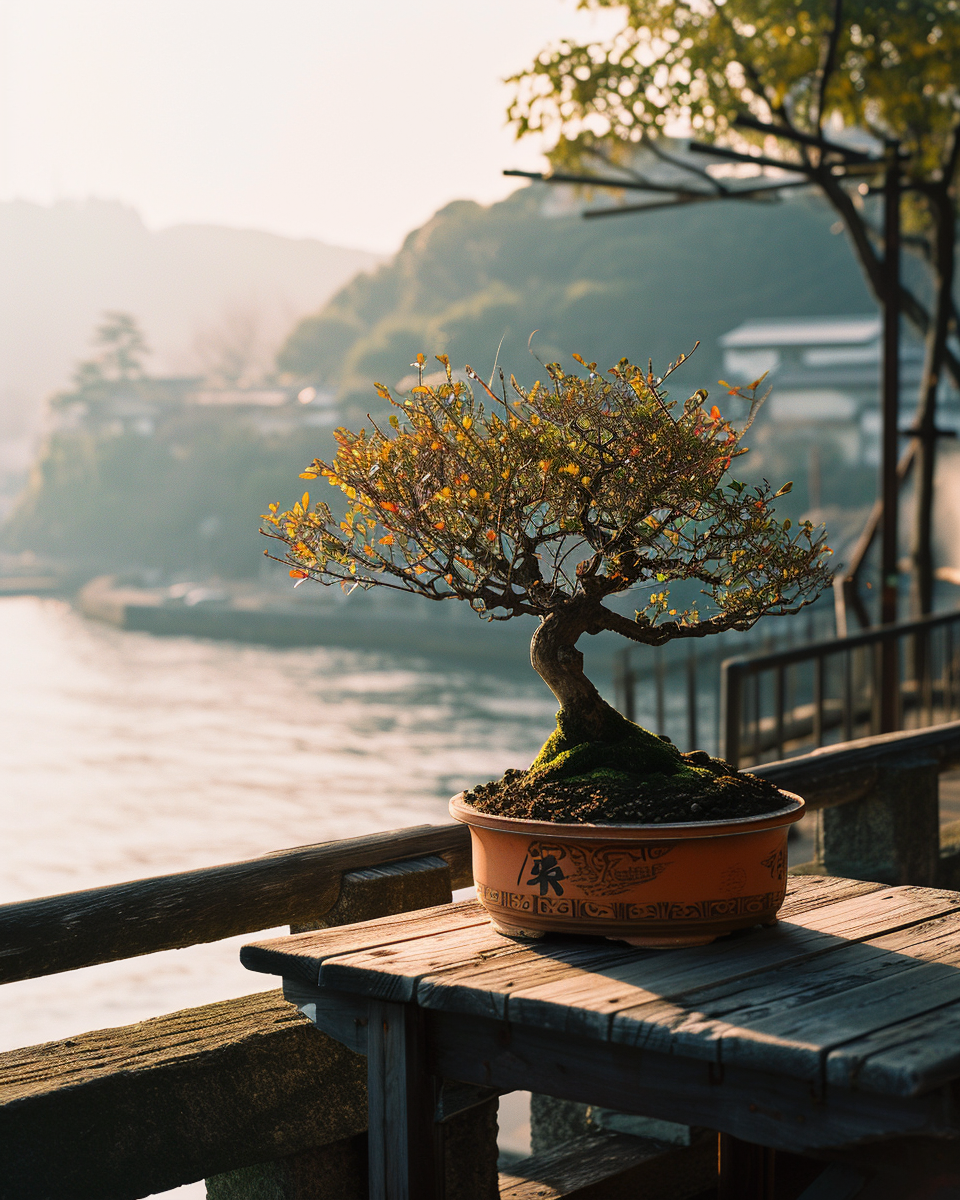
(841, 1025)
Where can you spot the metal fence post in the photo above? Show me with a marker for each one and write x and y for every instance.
(731, 697)
(692, 701)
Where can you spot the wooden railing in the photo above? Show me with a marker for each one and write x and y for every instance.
(248, 1095)
(289, 887)
(798, 698)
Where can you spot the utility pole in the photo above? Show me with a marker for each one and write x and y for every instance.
(890, 404)
(890, 407)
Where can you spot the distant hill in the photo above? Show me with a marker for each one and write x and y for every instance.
(636, 285)
(186, 493)
(64, 264)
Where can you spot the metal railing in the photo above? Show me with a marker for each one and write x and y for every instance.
(675, 689)
(791, 701)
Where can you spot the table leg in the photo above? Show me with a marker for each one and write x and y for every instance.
(746, 1170)
(404, 1164)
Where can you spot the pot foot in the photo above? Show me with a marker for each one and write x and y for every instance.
(666, 943)
(515, 931)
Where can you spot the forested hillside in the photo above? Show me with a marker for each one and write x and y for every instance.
(638, 285)
(187, 496)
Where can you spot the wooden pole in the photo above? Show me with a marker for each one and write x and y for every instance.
(926, 427)
(889, 485)
(402, 1137)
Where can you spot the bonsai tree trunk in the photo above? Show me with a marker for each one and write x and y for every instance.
(558, 662)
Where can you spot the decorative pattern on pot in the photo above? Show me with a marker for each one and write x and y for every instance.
(646, 884)
(603, 871)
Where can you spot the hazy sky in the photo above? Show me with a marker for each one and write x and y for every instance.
(347, 120)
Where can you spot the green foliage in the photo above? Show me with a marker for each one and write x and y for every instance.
(572, 492)
(772, 75)
(891, 67)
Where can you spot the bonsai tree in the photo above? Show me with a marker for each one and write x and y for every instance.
(547, 502)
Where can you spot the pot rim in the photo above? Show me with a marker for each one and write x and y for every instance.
(792, 811)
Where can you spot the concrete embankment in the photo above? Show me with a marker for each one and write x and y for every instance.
(421, 632)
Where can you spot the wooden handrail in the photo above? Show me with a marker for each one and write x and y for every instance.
(844, 773)
(168, 912)
(298, 886)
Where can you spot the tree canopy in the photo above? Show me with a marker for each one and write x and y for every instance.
(796, 86)
(887, 67)
(550, 500)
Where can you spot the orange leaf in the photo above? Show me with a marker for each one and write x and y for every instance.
(298, 575)
(491, 536)
(388, 506)
(715, 413)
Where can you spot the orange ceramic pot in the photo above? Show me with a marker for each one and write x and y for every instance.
(649, 885)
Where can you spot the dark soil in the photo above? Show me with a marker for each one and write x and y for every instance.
(629, 776)
(627, 801)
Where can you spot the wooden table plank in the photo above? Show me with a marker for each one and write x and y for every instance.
(907, 1059)
(788, 995)
(828, 976)
(392, 972)
(300, 955)
(813, 891)
(792, 1016)
(559, 988)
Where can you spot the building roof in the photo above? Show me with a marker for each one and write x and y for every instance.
(804, 331)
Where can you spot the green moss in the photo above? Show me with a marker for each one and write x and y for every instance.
(623, 749)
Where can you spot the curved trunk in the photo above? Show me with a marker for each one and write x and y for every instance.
(558, 662)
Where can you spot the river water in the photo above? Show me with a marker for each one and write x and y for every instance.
(124, 755)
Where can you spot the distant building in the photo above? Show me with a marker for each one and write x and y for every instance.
(825, 373)
(141, 405)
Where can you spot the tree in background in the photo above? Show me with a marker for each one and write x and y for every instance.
(234, 352)
(788, 80)
(123, 348)
(138, 448)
